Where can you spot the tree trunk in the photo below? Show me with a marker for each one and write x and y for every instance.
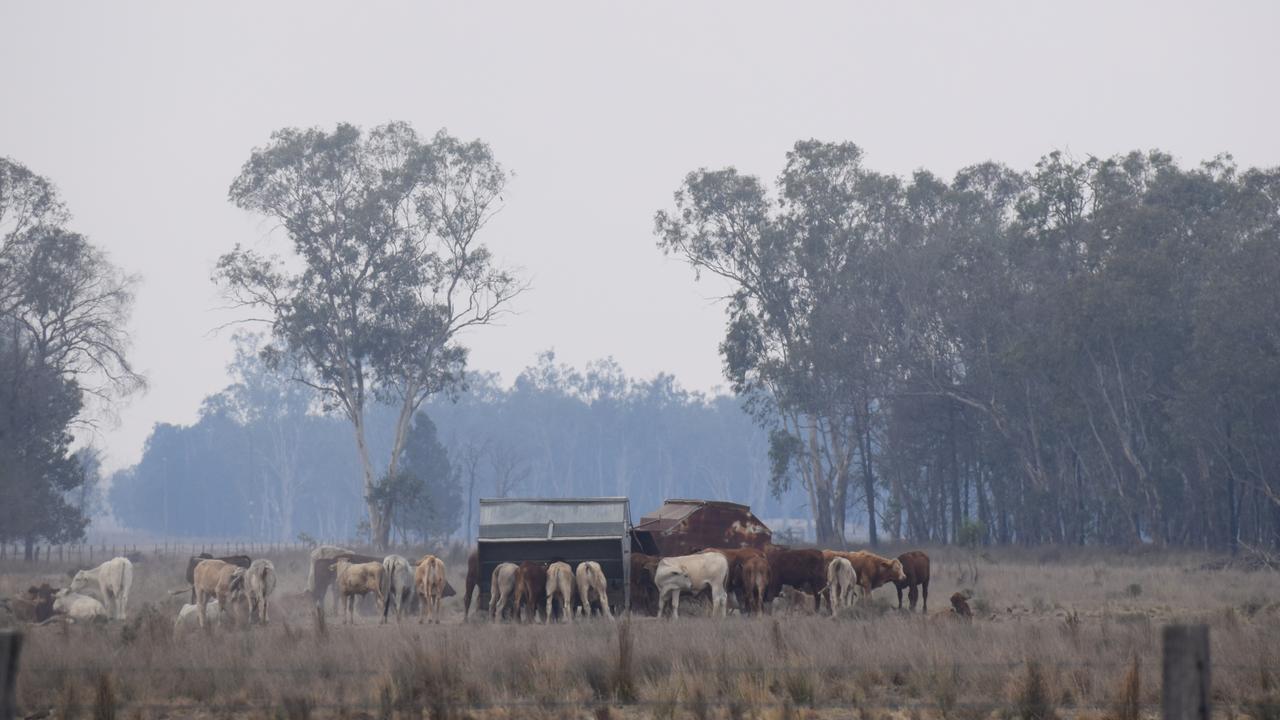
(379, 529)
(869, 485)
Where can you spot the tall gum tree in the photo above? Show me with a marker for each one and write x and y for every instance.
(391, 273)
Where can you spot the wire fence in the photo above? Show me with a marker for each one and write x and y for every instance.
(89, 553)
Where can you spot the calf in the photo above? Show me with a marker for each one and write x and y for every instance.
(80, 608)
(531, 588)
(113, 579)
(755, 582)
(841, 580)
(259, 583)
(560, 586)
(357, 579)
(960, 606)
(502, 589)
(215, 579)
(735, 585)
(592, 584)
(397, 585)
(428, 577)
(473, 580)
(915, 568)
(692, 573)
(802, 570)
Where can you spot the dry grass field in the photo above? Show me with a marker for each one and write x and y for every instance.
(1058, 633)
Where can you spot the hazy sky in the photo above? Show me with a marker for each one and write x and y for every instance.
(142, 113)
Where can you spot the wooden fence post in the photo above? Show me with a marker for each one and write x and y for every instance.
(1186, 672)
(10, 647)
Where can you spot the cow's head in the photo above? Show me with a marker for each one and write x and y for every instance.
(79, 581)
(893, 569)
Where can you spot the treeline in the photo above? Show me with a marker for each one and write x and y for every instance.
(1085, 352)
(63, 355)
(261, 462)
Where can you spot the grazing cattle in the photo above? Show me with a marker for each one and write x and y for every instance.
(915, 567)
(428, 577)
(216, 579)
(473, 580)
(502, 590)
(692, 573)
(755, 582)
(802, 570)
(113, 579)
(531, 588)
(357, 579)
(41, 599)
(259, 583)
(644, 588)
(593, 588)
(736, 557)
(189, 616)
(237, 560)
(841, 580)
(560, 587)
(960, 606)
(397, 585)
(80, 608)
(874, 570)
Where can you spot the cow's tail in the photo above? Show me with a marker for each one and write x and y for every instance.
(267, 579)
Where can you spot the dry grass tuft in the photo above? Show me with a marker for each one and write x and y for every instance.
(104, 699)
(1034, 698)
(1129, 704)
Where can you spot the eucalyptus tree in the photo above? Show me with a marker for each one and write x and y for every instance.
(387, 269)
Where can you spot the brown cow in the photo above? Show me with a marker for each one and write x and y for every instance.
(644, 593)
(531, 589)
(960, 606)
(736, 557)
(323, 574)
(357, 579)
(915, 564)
(874, 570)
(755, 582)
(224, 581)
(237, 560)
(802, 570)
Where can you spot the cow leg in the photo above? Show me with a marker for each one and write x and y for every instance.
(200, 602)
(924, 589)
(675, 605)
(913, 594)
(899, 587)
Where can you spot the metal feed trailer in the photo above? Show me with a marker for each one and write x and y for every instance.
(566, 529)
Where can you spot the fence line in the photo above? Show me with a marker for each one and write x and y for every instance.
(90, 553)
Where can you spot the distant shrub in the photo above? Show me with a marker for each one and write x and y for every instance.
(1133, 590)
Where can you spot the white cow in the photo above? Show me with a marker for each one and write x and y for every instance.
(259, 583)
(189, 615)
(80, 608)
(560, 585)
(113, 578)
(841, 581)
(592, 582)
(397, 584)
(692, 573)
(502, 589)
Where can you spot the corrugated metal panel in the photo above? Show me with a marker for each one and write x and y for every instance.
(547, 518)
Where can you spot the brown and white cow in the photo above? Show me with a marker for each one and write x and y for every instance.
(238, 560)
(915, 565)
(357, 580)
(428, 577)
(735, 585)
(502, 590)
(560, 587)
(593, 588)
(692, 573)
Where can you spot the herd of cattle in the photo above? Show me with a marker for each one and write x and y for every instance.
(237, 589)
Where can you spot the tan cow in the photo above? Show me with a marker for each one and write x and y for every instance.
(841, 580)
(874, 570)
(215, 579)
(428, 577)
(592, 585)
(560, 586)
(755, 582)
(502, 589)
(357, 579)
(259, 583)
(692, 573)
